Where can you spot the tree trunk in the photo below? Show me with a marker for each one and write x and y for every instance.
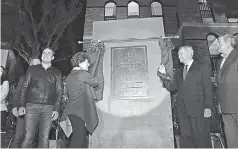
(35, 49)
(71, 36)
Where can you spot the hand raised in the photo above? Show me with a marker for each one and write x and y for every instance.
(162, 69)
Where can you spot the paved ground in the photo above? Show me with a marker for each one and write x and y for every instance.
(5, 139)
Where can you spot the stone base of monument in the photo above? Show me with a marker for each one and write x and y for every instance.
(135, 111)
(149, 130)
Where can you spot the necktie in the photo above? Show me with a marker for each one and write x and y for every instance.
(185, 71)
(222, 62)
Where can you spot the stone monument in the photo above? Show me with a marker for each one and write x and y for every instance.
(135, 110)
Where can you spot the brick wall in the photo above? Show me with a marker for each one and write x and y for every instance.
(188, 11)
(201, 52)
(95, 12)
(176, 14)
(170, 20)
(200, 31)
(100, 3)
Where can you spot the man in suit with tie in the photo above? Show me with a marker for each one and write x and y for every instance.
(194, 96)
(227, 88)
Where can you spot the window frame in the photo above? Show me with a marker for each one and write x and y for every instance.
(112, 17)
(133, 16)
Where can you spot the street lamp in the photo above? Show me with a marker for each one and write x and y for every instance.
(93, 42)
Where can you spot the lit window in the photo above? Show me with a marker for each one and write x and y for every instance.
(232, 18)
(205, 10)
(212, 44)
(110, 11)
(133, 10)
(156, 9)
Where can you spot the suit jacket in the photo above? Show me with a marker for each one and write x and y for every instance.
(227, 80)
(195, 90)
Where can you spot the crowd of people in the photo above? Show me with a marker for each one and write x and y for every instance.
(37, 98)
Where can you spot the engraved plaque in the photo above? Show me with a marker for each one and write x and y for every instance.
(129, 72)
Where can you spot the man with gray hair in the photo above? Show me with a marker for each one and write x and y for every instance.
(194, 99)
(227, 92)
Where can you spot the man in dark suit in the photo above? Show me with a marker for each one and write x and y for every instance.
(194, 97)
(227, 82)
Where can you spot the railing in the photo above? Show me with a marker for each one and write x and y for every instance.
(133, 16)
(205, 10)
(214, 59)
(107, 18)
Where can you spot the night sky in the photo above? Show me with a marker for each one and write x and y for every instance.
(68, 44)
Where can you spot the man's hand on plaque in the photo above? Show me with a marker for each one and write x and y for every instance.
(162, 69)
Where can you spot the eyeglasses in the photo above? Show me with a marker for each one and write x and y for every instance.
(47, 53)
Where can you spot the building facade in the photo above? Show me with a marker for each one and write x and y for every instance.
(192, 20)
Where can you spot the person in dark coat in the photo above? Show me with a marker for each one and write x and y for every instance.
(80, 109)
(227, 81)
(20, 125)
(40, 99)
(194, 97)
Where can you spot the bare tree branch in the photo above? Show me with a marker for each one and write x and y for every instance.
(53, 33)
(70, 18)
(32, 18)
(26, 35)
(44, 16)
(22, 53)
(49, 29)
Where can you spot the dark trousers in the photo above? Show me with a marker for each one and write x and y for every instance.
(78, 139)
(20, 132)
(3, 119)
(231, 129)
(37, 114)
(194, 131)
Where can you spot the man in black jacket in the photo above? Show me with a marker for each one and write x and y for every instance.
(20, 126)
(41, 93)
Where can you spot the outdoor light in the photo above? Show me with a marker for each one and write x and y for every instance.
(92, 42)
(165, 37)
(80, 42)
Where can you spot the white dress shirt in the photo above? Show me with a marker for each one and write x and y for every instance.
(189, 64)
(224, 58)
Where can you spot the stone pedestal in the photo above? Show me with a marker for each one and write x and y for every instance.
(149, 130)
(136, 110)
